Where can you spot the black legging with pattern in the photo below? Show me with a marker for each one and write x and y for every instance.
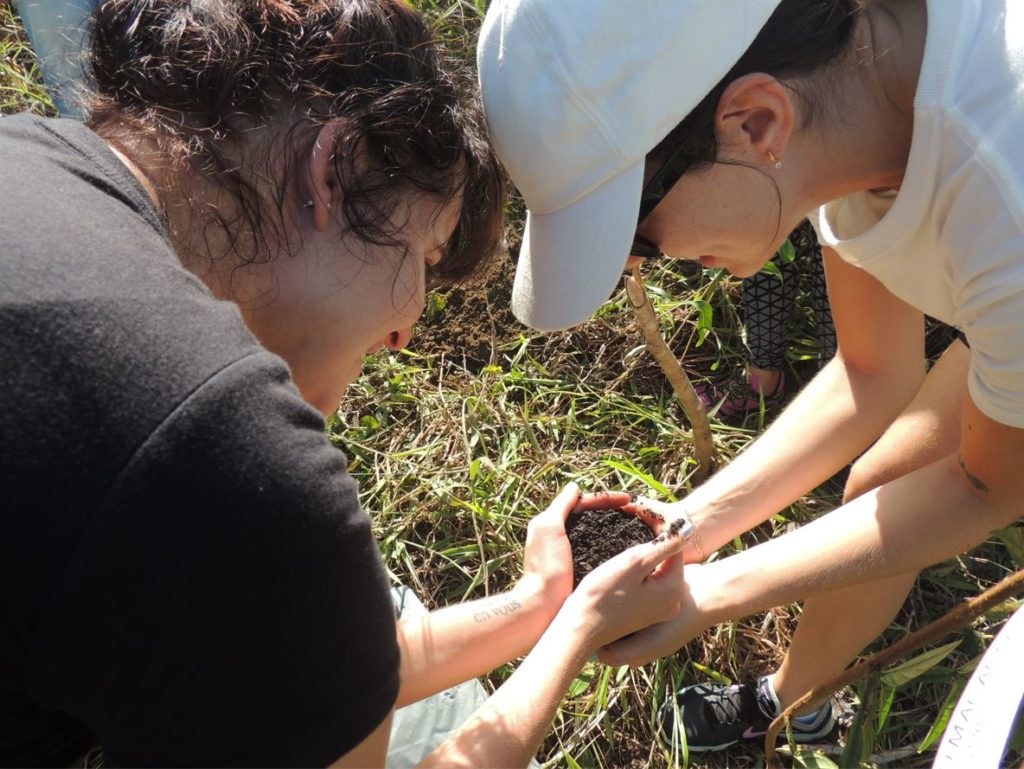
(768, 303)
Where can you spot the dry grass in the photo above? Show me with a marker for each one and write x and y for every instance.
(454, 459)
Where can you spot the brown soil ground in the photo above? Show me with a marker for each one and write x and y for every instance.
(597, 535)
(475, 321)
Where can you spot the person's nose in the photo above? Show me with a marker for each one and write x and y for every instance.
(399, 340)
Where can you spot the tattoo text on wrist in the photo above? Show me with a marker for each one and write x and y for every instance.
(976, 482)
(501, 608)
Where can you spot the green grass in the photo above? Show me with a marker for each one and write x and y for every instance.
(20, 84)
(453, 464)
(453, 458)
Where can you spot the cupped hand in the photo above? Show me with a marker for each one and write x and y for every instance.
(547, 562)
(664, 638)
(660, 515)
(637, 588)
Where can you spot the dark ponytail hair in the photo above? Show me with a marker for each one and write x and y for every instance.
(198, 75)
(801, 37)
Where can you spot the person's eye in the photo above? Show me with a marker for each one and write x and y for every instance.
(433, 279)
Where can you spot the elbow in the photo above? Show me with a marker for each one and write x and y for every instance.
(881, 382)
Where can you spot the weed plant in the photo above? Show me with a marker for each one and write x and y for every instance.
(454, 455)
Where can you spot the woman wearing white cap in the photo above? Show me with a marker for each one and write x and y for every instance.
(705, 129)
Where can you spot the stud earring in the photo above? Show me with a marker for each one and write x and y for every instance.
(308, 204)
(776, 162)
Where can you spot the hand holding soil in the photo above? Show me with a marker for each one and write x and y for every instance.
(547, 561)
(666, 514)
(635, 589)
(696, 594)
(597, 535)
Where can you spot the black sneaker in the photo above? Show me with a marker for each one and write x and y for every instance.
(713, 716)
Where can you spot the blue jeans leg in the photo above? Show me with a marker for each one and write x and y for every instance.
(58, 31)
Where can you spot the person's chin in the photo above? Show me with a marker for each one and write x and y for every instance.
(345, 380)
(328, 400)
(327, 404)
(743, 270)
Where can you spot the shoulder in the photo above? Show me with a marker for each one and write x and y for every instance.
(227, 603)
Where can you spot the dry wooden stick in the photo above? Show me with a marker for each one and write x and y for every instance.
(956, 618)
(703, 445)
(880, 759)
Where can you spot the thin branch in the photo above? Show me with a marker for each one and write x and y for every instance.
(703, 444)
(955, 619)
(879, 759)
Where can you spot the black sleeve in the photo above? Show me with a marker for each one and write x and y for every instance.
(227, 605)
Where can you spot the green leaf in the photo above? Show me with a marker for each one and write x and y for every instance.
(945, 712)
(907, 671)
(435, 305)
(805, 759)
(635, 473)
(787, 251)
(888, 695)
(370, 422)
(861, 738)
(705, 319)
(1012, 538)
(771, 268)
(714, 675)
(583, 681)
(1017, 740)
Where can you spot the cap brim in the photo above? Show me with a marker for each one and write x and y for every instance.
(571, 259)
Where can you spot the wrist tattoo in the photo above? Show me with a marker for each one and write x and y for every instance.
(976, 482)
(502, 607)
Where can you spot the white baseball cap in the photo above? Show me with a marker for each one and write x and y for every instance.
(576, 93)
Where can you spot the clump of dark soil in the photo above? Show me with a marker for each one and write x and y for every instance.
(597, 535)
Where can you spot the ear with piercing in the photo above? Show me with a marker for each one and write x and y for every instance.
(776, 162)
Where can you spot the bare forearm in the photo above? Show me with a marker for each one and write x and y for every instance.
(507, 729)
(834, 418)
(461, 642)
(631, 591)
(917, 520)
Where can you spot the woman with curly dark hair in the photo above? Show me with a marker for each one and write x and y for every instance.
(188, 282)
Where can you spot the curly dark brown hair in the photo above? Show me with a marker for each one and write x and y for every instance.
(199, 75)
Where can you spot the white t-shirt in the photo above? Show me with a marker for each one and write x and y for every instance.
(951, 241)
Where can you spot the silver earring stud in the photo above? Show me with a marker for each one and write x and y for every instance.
(776, 162)
(308, 204)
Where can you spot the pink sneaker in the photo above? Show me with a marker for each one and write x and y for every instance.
(738, 398)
